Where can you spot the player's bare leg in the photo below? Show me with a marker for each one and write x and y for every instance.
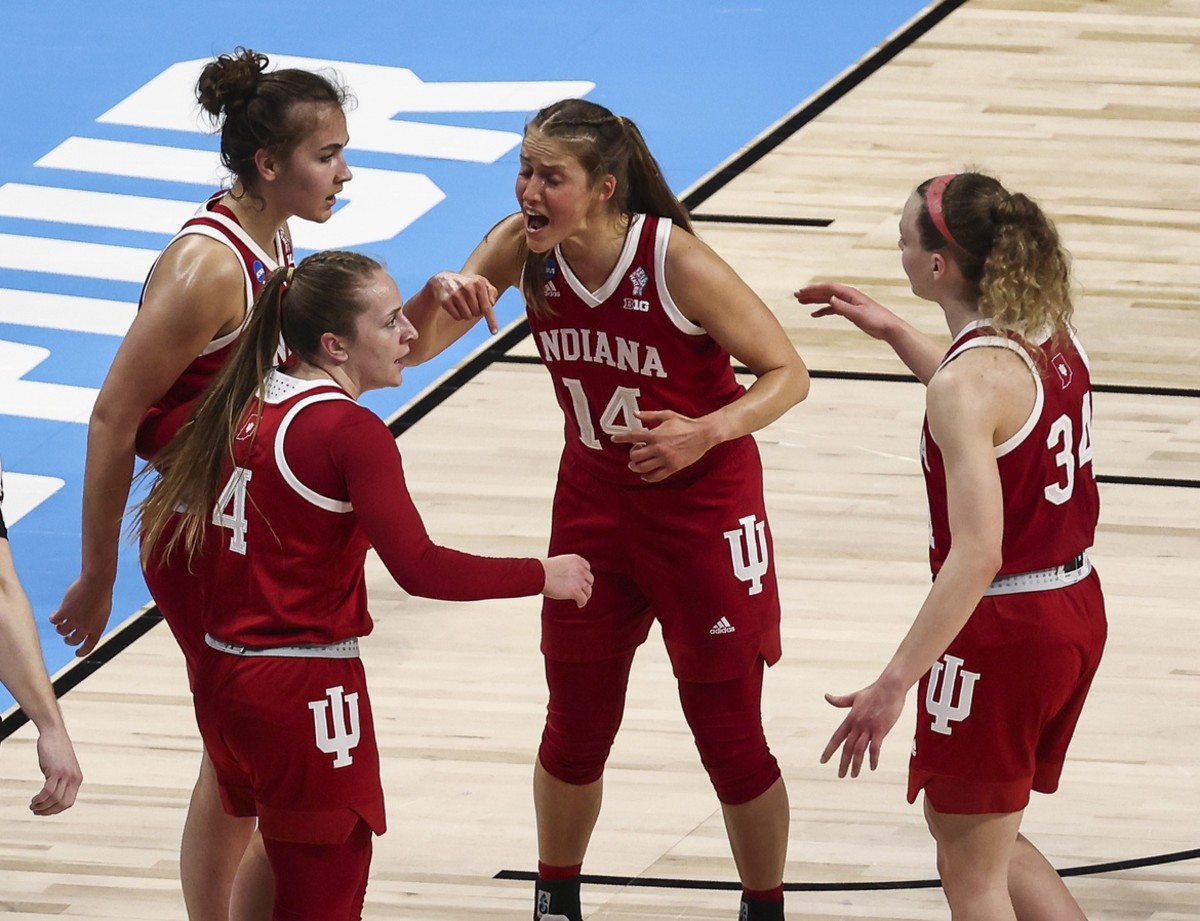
(253, 896)
(566, 815)
(211, 851)
(758, 837)
(973, 856)
(1038, 893)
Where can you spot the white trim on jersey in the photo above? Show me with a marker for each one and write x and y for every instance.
(270, 263)
(661, 238)
(281, 387)
(1003, 342)
(604, 292)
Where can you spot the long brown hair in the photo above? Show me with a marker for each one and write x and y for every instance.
(1007, 249)
(257, 109)
(605, 145)
(298, 306)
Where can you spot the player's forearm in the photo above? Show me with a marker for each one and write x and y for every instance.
(768, 398)
(918, 352)
(21, 668)
(956, 592)
(106, 481)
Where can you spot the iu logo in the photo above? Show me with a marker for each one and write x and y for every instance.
(336, 740)
(748, 551)
(939, 701)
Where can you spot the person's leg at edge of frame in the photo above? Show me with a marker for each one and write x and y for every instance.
(974, 854)
(1038, 893)
(587, 701)
(211, 851)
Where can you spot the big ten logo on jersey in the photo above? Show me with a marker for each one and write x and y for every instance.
(749, 552)
(107, 186)
(950, 693)
(336, 724)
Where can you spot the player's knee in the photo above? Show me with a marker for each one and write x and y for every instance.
(743, 776)
(575, 761)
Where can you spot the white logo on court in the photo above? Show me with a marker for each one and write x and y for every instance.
(336, 739)
(748, 551)
(939, 701)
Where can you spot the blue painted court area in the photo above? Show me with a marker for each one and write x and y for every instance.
(102, 156)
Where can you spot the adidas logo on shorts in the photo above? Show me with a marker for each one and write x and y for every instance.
(722, 626)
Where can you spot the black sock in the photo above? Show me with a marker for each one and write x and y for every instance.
(759, 910)
(557, 897)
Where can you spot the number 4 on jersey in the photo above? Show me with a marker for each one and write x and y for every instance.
(233, 498)
(623, 405)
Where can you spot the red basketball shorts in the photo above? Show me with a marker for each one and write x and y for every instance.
(697, 556)
(996, 713)
(293, 742)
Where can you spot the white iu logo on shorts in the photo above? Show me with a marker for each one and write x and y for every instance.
(748, 551)
(336, 739)
(939, 701)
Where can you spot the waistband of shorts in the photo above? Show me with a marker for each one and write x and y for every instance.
(346, 649)
(1043, 580)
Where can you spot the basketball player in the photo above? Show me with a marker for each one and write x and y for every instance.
(1007, 642)
(282, 137)
(23, 673)
(288, 498)
(660, 484)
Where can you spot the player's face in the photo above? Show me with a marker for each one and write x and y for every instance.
(382, 336)
(916, 260)
(309, 178)
(556, 194)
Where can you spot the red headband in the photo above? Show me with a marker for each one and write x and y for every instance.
(933, 201)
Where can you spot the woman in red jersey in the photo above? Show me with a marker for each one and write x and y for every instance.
(287, 482)
(282, 137)
(660, 484)
(1008, 640)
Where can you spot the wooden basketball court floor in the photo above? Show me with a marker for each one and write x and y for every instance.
(1090, 106)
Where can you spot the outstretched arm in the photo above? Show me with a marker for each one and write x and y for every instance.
(963, 410)
(451, 303)
(22, 672)
(920, 353)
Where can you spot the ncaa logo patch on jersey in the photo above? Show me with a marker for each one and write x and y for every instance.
(550, 269)
(260, 272)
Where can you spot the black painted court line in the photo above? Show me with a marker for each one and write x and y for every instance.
(886, 377)
(762, 220)
(656, 882)
(884, 54)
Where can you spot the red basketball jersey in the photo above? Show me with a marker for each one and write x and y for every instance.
(285, 563)
(1051, 503)
(217, 222)
(623, 348)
